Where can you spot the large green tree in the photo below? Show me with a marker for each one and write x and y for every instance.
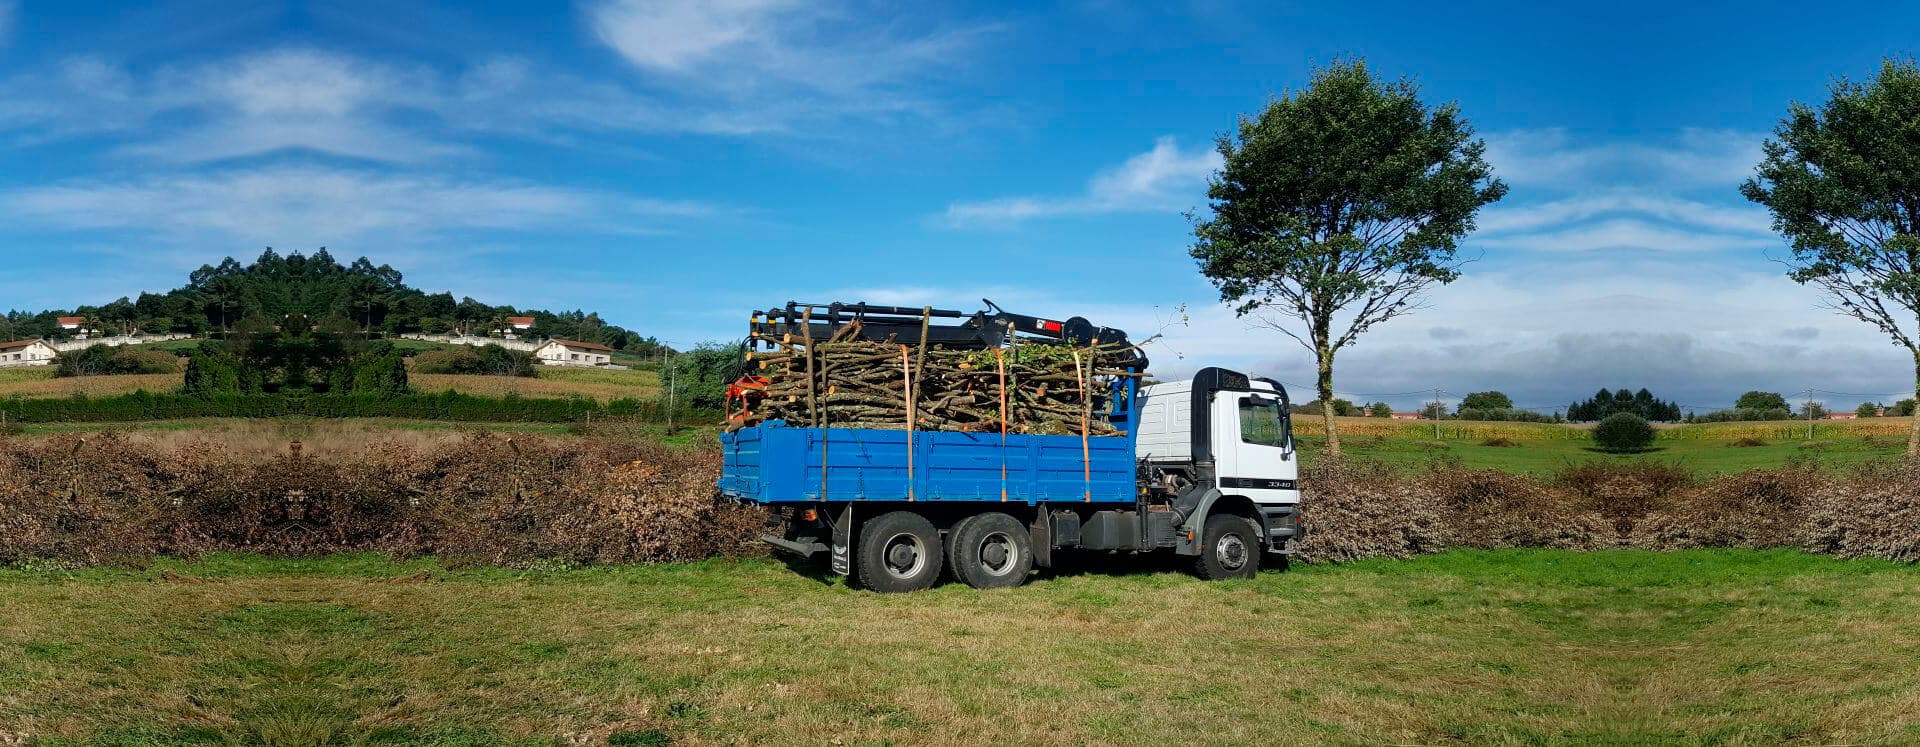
(1758, 400)
(1342, 202)
(1843, 183)
(1489, 400)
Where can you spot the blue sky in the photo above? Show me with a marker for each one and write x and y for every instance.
(675, 164)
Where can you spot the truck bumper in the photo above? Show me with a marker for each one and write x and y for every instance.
(1283, 527)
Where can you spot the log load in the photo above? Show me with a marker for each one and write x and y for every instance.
(1036, 388)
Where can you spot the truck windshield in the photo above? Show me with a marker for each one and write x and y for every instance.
(1260, 423)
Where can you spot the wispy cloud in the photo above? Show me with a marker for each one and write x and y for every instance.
(1672, 194)
(1692, 158)
(748, 45)
(303, 205)
(303, 99)
(1166, 178)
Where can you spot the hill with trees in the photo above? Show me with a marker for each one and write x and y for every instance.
(373, 299)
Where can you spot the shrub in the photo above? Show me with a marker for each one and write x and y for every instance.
(102, 360)
(1623, 493)
(1492, 509)
(486, 360)
(76, 500)
(1753, 509)
(1747, 442)
(1623, 432)
(1353, 511)
(1870, 513)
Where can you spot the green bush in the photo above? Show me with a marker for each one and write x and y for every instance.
(1623, 432)
(486, 360)
(700, 376)
(102, 360)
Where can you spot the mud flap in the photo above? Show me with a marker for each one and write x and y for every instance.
(843, 542)
(1041, 532)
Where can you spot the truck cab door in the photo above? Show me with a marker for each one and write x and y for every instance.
(1252, 449)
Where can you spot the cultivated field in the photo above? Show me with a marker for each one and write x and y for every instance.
(1539, 448)
(39, 381)
(1511, 647)
(552, 381)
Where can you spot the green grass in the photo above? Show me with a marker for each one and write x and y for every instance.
(1517, 647)
(1540, 449)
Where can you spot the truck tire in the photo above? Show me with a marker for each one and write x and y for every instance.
(1230, 548)
(990, 551)
(897, 552)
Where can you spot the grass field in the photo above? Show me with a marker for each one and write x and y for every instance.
(1519, 647)
(1539, 448)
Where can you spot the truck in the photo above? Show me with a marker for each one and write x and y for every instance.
(1204, 468)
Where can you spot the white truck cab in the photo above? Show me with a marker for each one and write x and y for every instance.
(1223, 430)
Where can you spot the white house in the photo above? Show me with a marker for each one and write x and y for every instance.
(521, 323)
(35, 352)
(70, 322)
(573, 353)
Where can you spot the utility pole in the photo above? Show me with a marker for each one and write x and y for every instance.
(1809, 408)
(1436, 414)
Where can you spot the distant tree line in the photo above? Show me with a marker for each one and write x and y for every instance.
(372, 299)
(1642, 403)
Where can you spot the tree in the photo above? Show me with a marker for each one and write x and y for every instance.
(1380, 410)
(1843, 184)
(1347, 199)
(1867, 410)
(1760, 401)
(1490, 400)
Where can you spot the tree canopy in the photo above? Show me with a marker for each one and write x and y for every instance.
(1605, 403)
(1757, 400)
(1489, 400)
(1347, 198)
(1842, 181)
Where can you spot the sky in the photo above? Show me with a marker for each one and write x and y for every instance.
(674, 165)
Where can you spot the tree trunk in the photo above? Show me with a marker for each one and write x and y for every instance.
(1913, 434)
(1325, 383)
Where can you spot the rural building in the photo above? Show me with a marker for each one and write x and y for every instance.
(35, 352)
(1843, 416)
(573, 353)
(521, 322)
(1406, 416)
(70, 322)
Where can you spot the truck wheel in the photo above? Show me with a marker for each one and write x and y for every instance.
(898, 551)
(1229, 549)
(990, 551)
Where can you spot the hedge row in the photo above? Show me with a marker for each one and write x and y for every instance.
(449, 405)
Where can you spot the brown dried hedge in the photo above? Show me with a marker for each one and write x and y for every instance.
(74, 500)
(1361, 510)
(1873, 512)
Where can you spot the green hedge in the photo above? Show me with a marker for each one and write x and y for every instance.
(451, 406)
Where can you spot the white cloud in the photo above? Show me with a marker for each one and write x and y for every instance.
(1165, 178)
(299, 206)
(745, 47)
(1664, 194)
(299, 99)
(1692, 158)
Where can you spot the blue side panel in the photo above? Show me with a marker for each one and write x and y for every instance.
(771, 463)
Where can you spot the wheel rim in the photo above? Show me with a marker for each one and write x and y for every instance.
(997, 554)
(1231, 550)
(904, 555)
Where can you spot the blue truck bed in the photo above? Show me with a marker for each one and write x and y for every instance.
(772, 463)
